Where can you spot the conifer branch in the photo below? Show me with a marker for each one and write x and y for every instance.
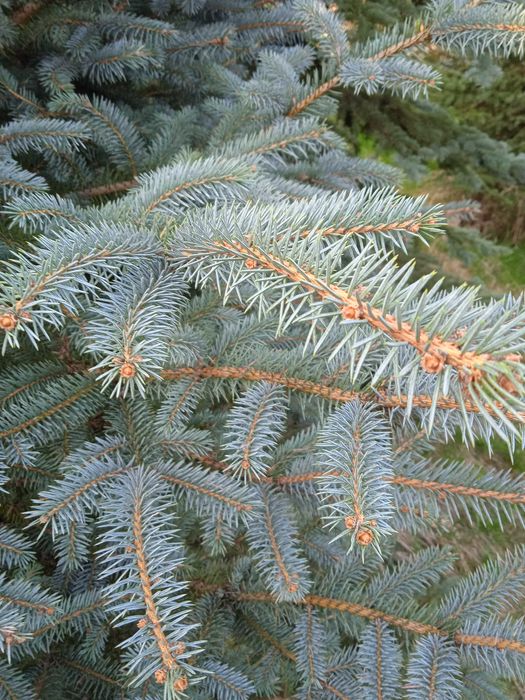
(328, 392)
(50, 412)
(92, 109)
(441, 489)
(236, 504)
(409, 625)
(418, 38)
(110, 188)
(77, 666)
(93, 483)
(205, 181)
(458, 489)
(22, 98)
(319, 91)
(168, 659)
(94, 605)
(432, 349)
(326, 603)
(22, 387)
(287, 577)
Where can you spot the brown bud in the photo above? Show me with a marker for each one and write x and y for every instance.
(251, 264)
(432, 363)
(161, 675)
(364, 538)
(181, 683)
(351, 313)
(349, 522)
(128, 370)
(179, 648)
(293, 587)
(8, 322)
(142, 623)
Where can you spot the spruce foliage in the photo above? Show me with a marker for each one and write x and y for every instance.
(223, 398)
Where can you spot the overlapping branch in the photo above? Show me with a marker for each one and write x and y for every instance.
(325, 390)
(407, 624)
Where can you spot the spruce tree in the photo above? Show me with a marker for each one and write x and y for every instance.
(224, 400)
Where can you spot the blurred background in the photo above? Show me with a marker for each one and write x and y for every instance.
(467, 142)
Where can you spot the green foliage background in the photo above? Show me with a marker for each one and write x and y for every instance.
(466, 142)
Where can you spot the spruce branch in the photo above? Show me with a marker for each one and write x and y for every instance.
(326, 390)
(146, 592)
(413, 626)
(433, 350)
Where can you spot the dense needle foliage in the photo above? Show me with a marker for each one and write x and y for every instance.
(223, 398)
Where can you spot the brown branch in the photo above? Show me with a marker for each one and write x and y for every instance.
(289, 26)
(275, 643)
(122, 186)
(89, 107)
(22, 98)
(398, 479)
(8, 182)
(216, 41)
(458, 28)
(47, 212)
(287, 654)
(90, 672)
(247, 445)
(28, 385)
(412, 225)
(188, 185)
(56, 408)
(415, 40)
(291, 585)
(432, 348)
(111, 188)
(168, 659)
(346, 606)
(21, 603)
(379, 660)
(11, 548)
(5, 138)
(67, 617)
(88, 485)
(319, 91)
(325, 391)
(457, 489)
(402, 622)
(266, 148)
(217, 495)
(493, 642)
